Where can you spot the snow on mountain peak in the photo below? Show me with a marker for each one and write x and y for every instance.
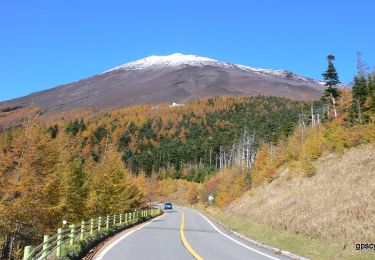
(173, 60)
(176, 60)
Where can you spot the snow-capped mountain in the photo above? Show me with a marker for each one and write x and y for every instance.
(174, 60)
(180, 60)
(172, 78)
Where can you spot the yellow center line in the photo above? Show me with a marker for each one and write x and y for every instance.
(184, 241)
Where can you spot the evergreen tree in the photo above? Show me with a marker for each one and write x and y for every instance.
(100, 133)
(124, 141)
(362, 93)
(53, 130)
(371, 93)
(75, 126)
(359, 94)
(331, 79)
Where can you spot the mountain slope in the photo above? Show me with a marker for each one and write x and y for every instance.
(329, 211)
(173, 78)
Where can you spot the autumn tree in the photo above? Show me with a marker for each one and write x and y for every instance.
(262, 170)
(111, 186)
(29, 199)
(73, 180)
(233, 185)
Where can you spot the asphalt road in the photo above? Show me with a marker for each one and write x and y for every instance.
(182, 234)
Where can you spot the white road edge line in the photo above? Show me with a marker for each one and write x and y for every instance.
(234, 240)
(109, 247)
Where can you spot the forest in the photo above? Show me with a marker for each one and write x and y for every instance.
(166, 140)
(68, 170)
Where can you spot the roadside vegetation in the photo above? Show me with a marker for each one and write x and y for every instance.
(296, 243)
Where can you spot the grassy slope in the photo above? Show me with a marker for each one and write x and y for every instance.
(321, 217)
(297, 243)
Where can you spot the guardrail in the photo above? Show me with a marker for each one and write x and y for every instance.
(78, 232)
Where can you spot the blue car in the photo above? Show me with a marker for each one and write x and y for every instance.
(168, 205)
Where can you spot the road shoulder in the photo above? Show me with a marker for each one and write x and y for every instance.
(96, 251)
(226, 230)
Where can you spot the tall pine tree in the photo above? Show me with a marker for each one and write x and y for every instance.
(331, 79)
(371, 93)
(360, 92)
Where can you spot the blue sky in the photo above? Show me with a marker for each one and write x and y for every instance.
(47, 43)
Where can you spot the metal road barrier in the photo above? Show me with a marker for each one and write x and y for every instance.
(52, 246)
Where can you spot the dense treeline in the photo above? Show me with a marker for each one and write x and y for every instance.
(166, 140)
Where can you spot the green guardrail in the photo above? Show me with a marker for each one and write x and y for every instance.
(52, 245)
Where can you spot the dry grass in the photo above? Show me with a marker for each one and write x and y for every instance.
(336, 205)
(297, 243)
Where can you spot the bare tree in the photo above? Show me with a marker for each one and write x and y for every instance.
(362, 67)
